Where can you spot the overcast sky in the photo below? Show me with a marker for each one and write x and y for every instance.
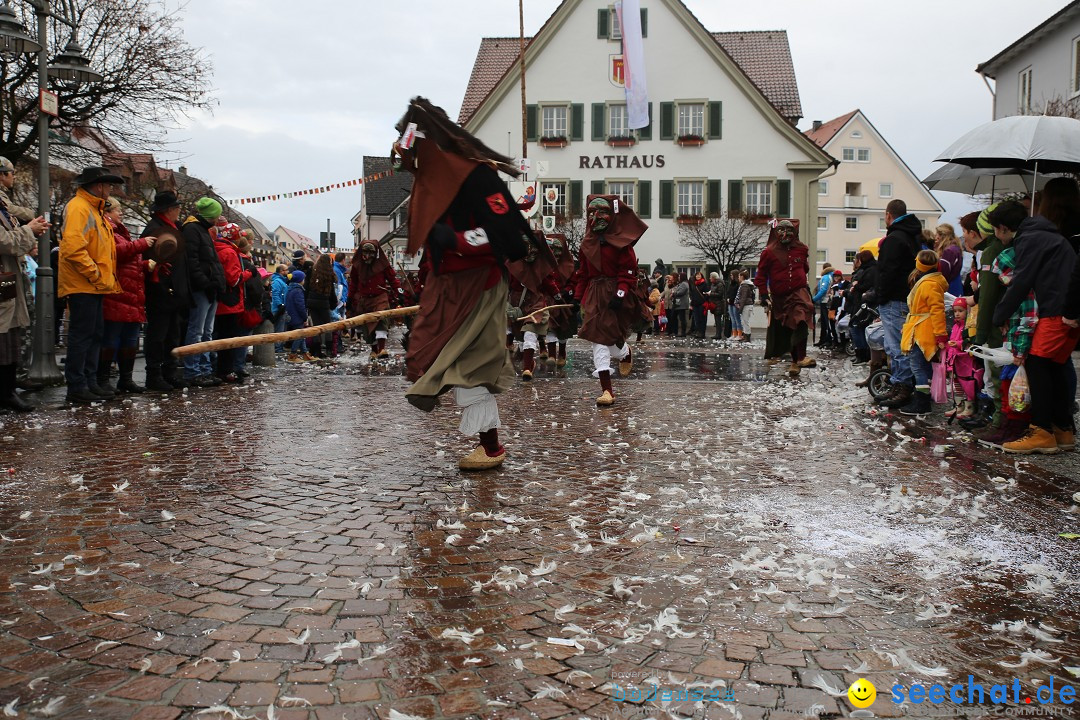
(305, 90)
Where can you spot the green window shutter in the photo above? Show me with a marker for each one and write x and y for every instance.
(575, 198)
(667, 198)
(716, 120)
(667, 121)
(599, 130)
(734, 196)
(577, 122)
(603, 25)
(645, 133)
(531, 113)
(644, 22)
(783, 198)
(644, 198)
(597, 187)
(713, 206)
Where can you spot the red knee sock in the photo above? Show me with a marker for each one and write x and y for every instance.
(380, 344)
(489, 440)
(527, 360)
(562, 350)
(552, 349)
(605, 381)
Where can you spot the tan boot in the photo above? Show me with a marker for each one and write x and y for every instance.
(478, 459)
(606, 399)
(808, 362)
(626, 364)
(794, 369)
(1065, 439)
(1036, 440)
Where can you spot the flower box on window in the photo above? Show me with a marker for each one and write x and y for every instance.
(689, 219)
(621, 140)
(757, 219)
(690, 140)
(554, 141)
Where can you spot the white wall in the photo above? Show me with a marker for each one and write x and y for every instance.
(1051, 61)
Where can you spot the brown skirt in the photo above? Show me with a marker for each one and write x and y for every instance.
(603, 325)
(473, 356)
(373, 304)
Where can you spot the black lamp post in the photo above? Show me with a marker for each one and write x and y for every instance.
(70, 68)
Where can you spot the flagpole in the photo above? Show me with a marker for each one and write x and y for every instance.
(524, 107)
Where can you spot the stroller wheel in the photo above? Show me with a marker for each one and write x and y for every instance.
(879, 383)
(849, 347)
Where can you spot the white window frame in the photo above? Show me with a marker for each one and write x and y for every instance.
(689, 105)
(845, 152)
(857, 134)
(881, 224)
(565, 120)
(563, 202)
(846, 224)
(822, 256)
(1023, 89)
(625, 131)
(614, 28)
(690, 197)
(850, 254)
(1074, 79)
(612, 189)
(859, 155)
(823, 225)
(881, 190)
(823, 187)
(759, 184)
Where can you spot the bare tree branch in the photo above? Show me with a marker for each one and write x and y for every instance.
(574, 229)
(152, 76)
(727, 241)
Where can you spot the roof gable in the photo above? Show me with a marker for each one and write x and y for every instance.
(762, 57)
(822, 134)
(383, 196)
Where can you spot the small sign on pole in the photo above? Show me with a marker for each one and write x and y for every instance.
(50, 103)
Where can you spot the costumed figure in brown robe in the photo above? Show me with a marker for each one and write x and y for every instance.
(532, 288)
(607, 285)
(563, 322)
(466, 221)
(782, 274)
(373, 286)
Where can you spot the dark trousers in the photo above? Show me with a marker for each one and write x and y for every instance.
(674, 320)
(320, 316)
(1051, 404)
(827, 334)
(227, 326)
(85, 330)
(162, 335)
(700, 318)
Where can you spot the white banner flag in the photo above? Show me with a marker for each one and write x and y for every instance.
(637, 94)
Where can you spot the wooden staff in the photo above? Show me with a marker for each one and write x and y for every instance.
(283, 337)
(530, 318)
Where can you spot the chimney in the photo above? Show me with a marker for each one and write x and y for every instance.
(183, 168)
(817, 126)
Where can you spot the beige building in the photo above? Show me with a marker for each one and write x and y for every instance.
(853, 196)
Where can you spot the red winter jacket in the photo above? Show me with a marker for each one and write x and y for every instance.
(235, 275)
(130, 304)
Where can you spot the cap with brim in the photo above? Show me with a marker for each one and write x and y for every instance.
(95, 174)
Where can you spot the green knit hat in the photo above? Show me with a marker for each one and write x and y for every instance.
(208, 209)
(985, 228)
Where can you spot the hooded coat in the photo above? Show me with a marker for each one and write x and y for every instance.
(896, 258)
(129, 305)
(925, 324)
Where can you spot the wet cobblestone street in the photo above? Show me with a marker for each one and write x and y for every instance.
(304, 548)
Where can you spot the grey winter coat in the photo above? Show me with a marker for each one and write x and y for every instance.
(14, 243)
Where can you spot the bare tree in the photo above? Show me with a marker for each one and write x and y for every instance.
(152, 76)
(573, 227)
(727, 241)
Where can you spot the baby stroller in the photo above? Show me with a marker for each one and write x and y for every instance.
(875, 337)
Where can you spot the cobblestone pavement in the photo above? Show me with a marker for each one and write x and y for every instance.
(304, 547)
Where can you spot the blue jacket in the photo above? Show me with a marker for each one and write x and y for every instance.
(296, 306)
(278, 287)
(822, 288)
(343, 280)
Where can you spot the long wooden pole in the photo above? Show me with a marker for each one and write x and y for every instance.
(282, 337)
(521, 56)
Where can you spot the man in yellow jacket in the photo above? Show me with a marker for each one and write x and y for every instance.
(86, 273)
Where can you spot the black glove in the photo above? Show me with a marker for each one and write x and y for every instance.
(615, 303)
(870, 297)
(558, 298)
(764, 300)
(441, 238)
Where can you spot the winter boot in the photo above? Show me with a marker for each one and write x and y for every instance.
(899, 398)
(126, 361)
(105, 361)
(156, 383)
(9, 398)
(919, 404)
(528, 364)
(562, 355)
(1036, 440)
(1066, 439)
(552, 354)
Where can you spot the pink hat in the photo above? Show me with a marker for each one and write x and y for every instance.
(838, 272)
(959, 302)
(264, 273)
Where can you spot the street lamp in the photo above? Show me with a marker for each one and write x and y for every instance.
(70, 67)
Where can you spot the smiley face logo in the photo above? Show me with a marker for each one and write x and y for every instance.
(862, 693)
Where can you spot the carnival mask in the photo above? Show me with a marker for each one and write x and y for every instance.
(599, 215)
(368, 253)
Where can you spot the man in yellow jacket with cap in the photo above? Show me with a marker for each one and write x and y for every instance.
(86, 273)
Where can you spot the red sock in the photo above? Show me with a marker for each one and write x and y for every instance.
(562, 350)
(552, 349)
(605, 381)
(489, 440)
(527, 360)
(381, 343)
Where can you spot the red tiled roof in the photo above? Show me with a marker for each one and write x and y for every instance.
(822, 135)
(764, 56)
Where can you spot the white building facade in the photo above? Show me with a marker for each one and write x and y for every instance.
(852, 199)
(720, 140)
(1038, 69)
